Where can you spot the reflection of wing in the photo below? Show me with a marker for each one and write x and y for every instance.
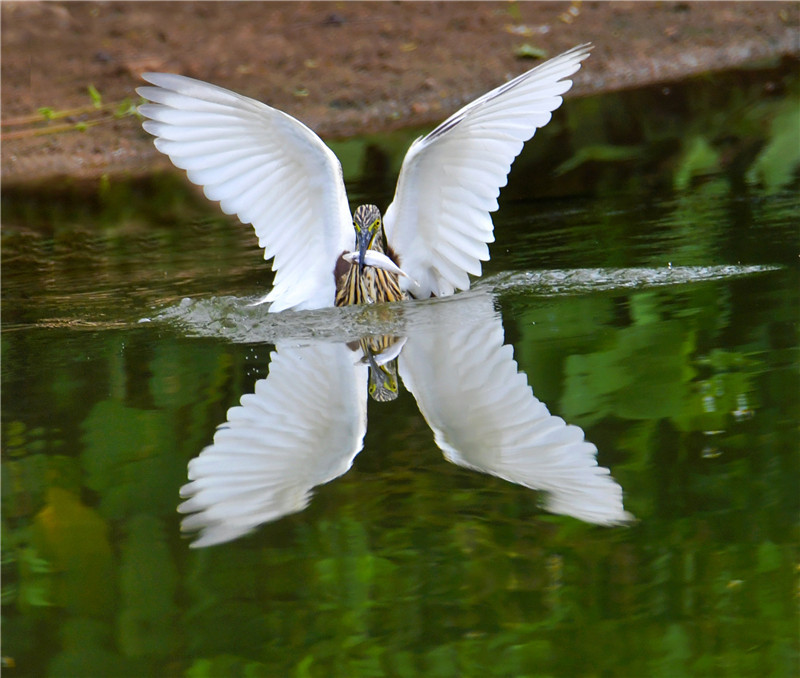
(302, 427)
(485, 416)
(267, 168)
(439, 221)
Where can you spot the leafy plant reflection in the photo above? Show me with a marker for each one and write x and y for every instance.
(306, 422)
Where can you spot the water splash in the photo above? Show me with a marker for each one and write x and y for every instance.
(237, 320)
(583, 280)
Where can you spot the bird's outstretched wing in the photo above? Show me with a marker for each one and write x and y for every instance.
(485, 417)
(439, 223)
(267, 168)
(301, 428)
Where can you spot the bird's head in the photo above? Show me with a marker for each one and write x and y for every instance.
(383, 382)
(367, 222)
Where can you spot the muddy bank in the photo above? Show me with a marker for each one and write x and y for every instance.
(343, 68)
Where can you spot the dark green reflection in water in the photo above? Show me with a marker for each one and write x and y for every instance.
(409, 565)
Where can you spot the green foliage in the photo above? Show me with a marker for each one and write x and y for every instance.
(26, 580)
(89, 115)
(676, 136)
(599, 153)
(94, 95)
(127, 460)
(226, 665)
(776, 164)
(698, 157)
(528, 51)
(514, 13)
(125, 108)
(148, 583)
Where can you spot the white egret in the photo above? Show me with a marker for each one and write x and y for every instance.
(275, 173)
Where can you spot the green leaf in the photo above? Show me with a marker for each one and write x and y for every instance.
(35, 595)
(97, 100)
(303, 668)
(528, 51)
(124, 109)
(698, 158)
(599, 153)
(778, 161)
(8, 594)
(769, 557)
(33, 562)
(200, 669)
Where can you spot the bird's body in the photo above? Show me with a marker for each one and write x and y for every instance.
(372, 286)
(273, 172)
(364, 284)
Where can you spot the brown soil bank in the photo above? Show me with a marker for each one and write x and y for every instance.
(344, 68)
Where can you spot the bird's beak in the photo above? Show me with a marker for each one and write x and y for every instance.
(364, 238)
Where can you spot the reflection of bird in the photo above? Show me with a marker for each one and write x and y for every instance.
(380, 353)
(275, 173)
(306, 422)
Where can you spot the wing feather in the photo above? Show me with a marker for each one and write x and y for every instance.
(267, 168)
(485, 416)
(301, 428)
(450, 179)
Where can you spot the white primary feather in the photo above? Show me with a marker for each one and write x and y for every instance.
(439, 222)
(485, 417)
(275, 173)
(301, 428)
(267, 168)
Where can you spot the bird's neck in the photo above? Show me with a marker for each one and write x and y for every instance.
(377, 242)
